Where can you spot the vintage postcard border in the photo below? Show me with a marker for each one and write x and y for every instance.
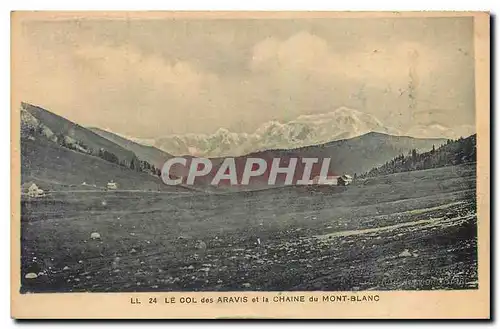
(393, 305)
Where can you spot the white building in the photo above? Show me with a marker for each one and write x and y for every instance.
(345, 180)
(35, 192)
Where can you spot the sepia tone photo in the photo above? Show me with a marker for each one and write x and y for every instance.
(238, 155)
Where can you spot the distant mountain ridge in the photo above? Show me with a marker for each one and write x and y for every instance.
(41, 129)
(305, 130)
(354, 155)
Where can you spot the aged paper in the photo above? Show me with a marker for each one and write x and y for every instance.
(250, 165)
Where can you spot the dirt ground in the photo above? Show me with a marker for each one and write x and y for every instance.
(408, 231)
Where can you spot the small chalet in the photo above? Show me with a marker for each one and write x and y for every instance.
(35, 192)
(111, 185)
(344, 180)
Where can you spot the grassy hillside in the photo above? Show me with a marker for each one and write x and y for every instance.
(457, 152)
(57, 168)
(355, 155)
(150, 154)
(90, 141)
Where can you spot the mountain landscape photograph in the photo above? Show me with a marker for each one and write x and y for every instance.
(106, 103)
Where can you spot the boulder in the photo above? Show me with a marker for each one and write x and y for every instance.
(95, 235)
(405, 253)
(31, 275)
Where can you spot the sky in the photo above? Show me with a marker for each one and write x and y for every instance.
(154, 77)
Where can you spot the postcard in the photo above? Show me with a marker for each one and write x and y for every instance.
(277, 165)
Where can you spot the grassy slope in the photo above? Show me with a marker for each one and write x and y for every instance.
(150, 154)
(355, 155)
(57, 231)
(361, 153)
(60, 125)
(55, 167)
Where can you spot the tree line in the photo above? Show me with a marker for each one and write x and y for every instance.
(454, 152)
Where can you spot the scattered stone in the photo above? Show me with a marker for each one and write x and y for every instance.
(201, 245)
(246, 285)
(133, 251)
(190, 267)
(31, 276)
(405, 253)
(95, 235)
(66, 268)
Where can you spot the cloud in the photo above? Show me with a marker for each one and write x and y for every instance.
(181, 77)
(308, 54)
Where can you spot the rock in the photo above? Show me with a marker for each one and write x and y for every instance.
(95, 235)
(133, 251)
(66, 268)
(246, 285)
(405, 253)
(201, 245)
(31, 276)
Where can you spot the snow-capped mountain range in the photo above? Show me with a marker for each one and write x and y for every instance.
(342, 123)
